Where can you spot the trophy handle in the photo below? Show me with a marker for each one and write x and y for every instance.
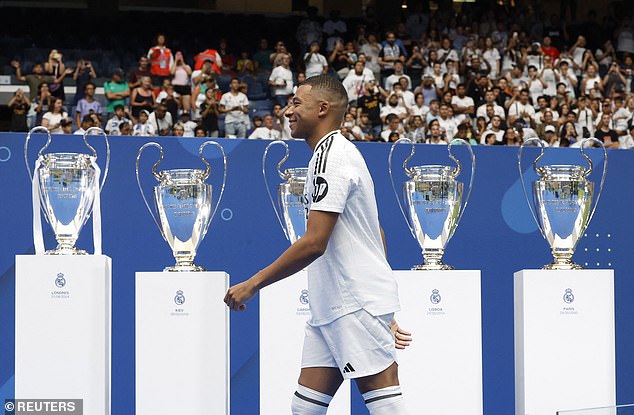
(277, 208)
(26, 146)
(208, 171)
(407, 171)
(99, 131)
(519, 166)
(605, 169)
(459, 169)
(156, 175)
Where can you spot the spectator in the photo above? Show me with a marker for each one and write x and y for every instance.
(591, 80)
(353, 130)
(416, 129)
(188, 125)
(200, 132)
(170, 98)
(489, 99)
(395, 105)
(335, 29)
(161, 60)
(161, 120)
(234, 104)
(143, 127)
(354, 83)
(210, 55)
(67, 126)
(181, 82)
(261, 58)
(393, 125)
(462, 105)
(205, 72)
(520, 108)
(372, 50)
(178, 130)
(511, 138)
(316, 63)
(87, 122)
(339, 60)
(245, 65)
(415, 65)
(135, 74)
(125, 128)
(548, 120)
(119, 117)
(19, 105)
(281, 81)
(55, 67)
(266, 132)
(88, 105)
(396, 75)
(447, 121)
(389, 54)
(569, 134)
(116, 91)
(536, 84)
(84, 74)
(142, 97)
(436, 134)
(34, 79)
(227, 57)
(369, 103)
(44, 103)
(463, 134)
(52, 120)
(308, 30)
(279, 53)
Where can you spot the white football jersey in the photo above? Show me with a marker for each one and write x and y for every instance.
(353, 273)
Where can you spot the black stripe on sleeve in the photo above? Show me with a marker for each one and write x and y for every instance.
(322, 168)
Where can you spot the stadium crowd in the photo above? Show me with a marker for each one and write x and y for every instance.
(494, 80)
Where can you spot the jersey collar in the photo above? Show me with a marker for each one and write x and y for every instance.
(322, 139)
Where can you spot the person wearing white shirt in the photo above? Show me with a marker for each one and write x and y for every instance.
(536, 84)
(419, 108)
(489, 98)
(161, 120)
(316, 63)
(394, 106)
(520, 108)
(234, 104)
(281, 81)
(266, 132)
(407, 95)
(495, 129)
(567, 77)
(355, 81)
(398, 73)
(447, 121)
(462, 104)
(143, 127)
(585, 117)
(492, 56)
(621, 116)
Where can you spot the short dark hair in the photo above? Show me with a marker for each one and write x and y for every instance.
(89, 84)
(331, 86)
(390, 118)
(119, 107)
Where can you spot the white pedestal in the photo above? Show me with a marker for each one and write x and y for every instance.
(182, 343)
(283, 315)
(62, 329)
(564, 340)
(441, 372)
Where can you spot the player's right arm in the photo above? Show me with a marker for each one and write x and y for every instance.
(298, 256)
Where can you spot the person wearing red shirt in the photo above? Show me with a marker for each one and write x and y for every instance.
(549, 49)
(161, 60)
(208, 55)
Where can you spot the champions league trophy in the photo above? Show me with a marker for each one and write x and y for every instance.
(65, 186)
(183, 201)
(433, 196)
(563, 199)
(290, 196)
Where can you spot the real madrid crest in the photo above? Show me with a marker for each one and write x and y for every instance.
(569, 297)
(303, 297)
(435, 297)
(60, 281)
(179, 299)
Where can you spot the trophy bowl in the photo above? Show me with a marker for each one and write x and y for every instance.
(434, 203)
(290, 208)
(562, 196)
(183, 204)
(66, 189)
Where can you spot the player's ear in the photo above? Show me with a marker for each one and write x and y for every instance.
(324, 108)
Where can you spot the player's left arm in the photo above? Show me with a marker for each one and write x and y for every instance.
(402, 338)
(298, 256)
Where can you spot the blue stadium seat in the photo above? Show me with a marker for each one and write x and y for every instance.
(255, 91)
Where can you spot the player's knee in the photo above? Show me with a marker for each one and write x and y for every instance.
(309, 402)
(385, 401)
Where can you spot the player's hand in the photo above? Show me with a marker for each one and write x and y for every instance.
(402, 338)
(239, 294)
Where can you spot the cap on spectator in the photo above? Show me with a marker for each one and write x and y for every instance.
(145, 111)
(564, 62)
(562, 83)
(549, 129)
(428, 76)
(118, 71)
(536, 44)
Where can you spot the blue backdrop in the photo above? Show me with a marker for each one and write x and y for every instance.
(497, 235)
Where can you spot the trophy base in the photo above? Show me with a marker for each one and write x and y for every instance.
(66, 251)
(185, 268)
(432, 267)
(562, 266)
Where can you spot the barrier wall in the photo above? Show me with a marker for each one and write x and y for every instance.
(497, 235)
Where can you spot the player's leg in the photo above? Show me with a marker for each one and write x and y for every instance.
(319, 378)
(363, 347)
(382, 392)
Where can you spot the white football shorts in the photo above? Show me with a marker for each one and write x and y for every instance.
(359, 344)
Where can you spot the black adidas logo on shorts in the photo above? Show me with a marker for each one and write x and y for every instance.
(348, 368)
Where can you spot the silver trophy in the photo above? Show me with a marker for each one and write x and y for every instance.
(183, 202)
(433, 196)
(563, 199)
(65, 187)
(290, 196)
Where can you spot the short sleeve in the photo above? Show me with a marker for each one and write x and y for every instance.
(332, 182)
